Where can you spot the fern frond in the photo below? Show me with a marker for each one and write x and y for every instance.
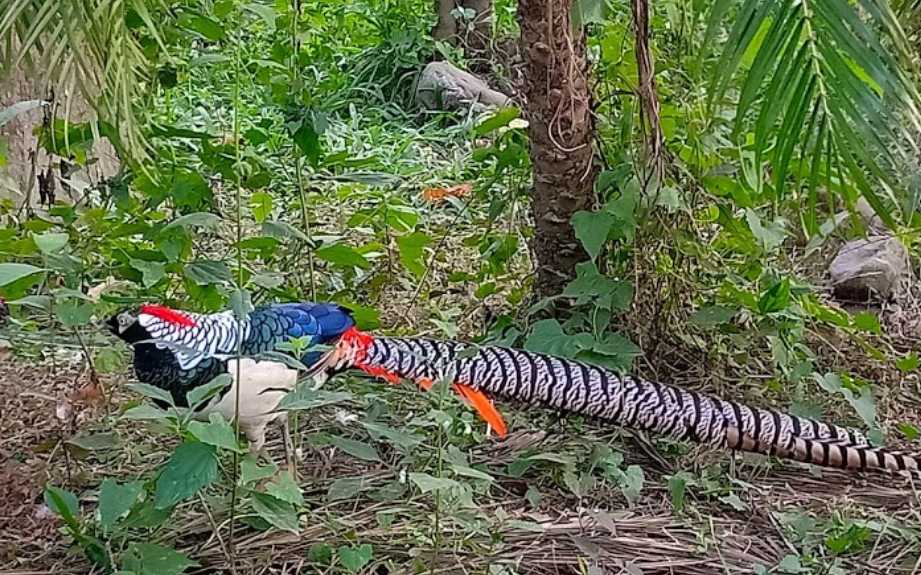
(826, 99)
(87, 45)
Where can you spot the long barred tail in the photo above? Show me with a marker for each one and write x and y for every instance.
(582, 388)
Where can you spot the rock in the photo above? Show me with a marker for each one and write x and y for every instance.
(867, 267)
(442, 86)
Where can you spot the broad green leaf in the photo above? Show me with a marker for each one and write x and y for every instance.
(116, 500)
(207, 28)
(153, 559)
(145, 411)
(261, 204)
(343, 255)
(282, 231)
(73, 312)
(412, 249)
(775, 299)
(863, 404)
(191, 467)
(355, 448)
(677, 488)
(354, 558)
(403, 440)
(285, 488)
(632, 483)
(64, 503)
(198, 219)
(202, 393)
(307, 138)
(216, 432)
(278, 513)
(592, 229)
(189, 189)
(426, 482)
(10, 272)
(547, 336)
(95, 441)
(770, 235)
(499, 119)
(346, 488)
(868, 322)
(712, 315)
(152, 392)
(49, 243)
(151, 272)
(206, 272)
(908, 363)
(251, 471)
(607, 293)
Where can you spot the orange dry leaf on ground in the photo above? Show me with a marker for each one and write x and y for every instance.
(438, 194)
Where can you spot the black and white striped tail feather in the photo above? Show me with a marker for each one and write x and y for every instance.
(587, 389)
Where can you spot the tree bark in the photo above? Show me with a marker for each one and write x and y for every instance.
(558, 108)
(476, 41)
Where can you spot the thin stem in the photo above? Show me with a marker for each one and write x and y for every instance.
(231, 547)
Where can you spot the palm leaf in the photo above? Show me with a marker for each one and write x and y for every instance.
(87, 45)
(827, 98)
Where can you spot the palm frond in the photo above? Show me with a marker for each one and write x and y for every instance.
(87, 45)
(826, 98)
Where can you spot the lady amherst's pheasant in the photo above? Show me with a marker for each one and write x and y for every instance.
(579, 387)
(178, 351)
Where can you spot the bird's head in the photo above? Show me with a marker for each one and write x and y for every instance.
(126, 326)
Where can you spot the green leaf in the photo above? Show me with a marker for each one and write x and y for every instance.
(346, 488)
(216, 432)
(320, 553)
(145, 411)
(285, 488)
(908, 363)
(10, 272)
(275, 512)
(151, 272)
(427, 483)
(191, 467)
(261, 204)
(307, 139)
(95, 441)
(770, 235)
(72, 312)
(592, 229)
(868, 322)
(547, 336)
(282, 231)
(198, 219)
(589, 284)
(677, 488)
(354, 558)
(198, 395)
(251, 471)
(775, 299)
(499, 119)
(712, 315)
(632, 483)
(412, 250)
(354, 448)
(206, 272)
(189, 189)
(343, 255)
(910, 432)
(50, 243)
(152, 559)
(207, 28)
(863, 404)
(152, 392)
(116, 500)
(64, 503)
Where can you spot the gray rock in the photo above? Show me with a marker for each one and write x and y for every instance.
(442, 86)
(869, 217)
(868, 267)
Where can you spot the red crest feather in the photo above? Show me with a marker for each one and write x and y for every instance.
(168, 315)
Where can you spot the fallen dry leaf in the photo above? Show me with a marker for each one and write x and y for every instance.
(89, 394)
(439, 194)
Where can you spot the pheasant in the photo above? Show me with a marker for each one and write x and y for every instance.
(582, 388)
(178, 351)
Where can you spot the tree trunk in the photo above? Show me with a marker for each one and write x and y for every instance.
(558, 108)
